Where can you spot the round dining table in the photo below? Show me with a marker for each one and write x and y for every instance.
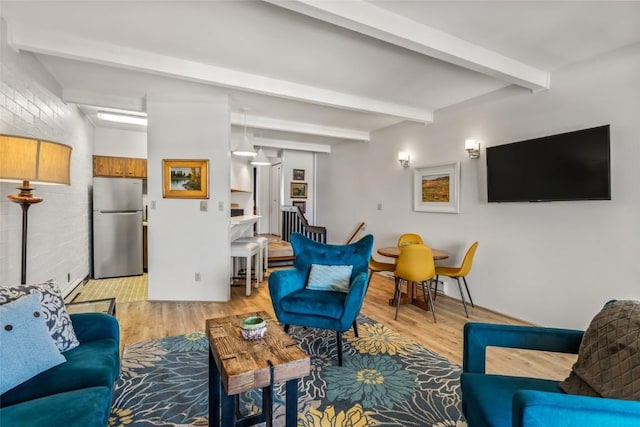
(394, 252)
(411, 296)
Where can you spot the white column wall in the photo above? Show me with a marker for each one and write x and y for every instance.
(556, 263)
(183, 240)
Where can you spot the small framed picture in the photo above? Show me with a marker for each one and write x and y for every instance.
(436, 188)
(298, 190)
(300, 204)
(298, 174)
(185, 179)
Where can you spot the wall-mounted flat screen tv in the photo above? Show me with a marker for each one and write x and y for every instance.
(569, 166)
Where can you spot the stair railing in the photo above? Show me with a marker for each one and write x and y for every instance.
(294, 221)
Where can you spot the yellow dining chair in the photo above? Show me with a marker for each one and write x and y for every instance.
(460, 273)
(379, 267)
(409, 239)
(415, 264)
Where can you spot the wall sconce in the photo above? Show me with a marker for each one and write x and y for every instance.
(404, 158)
(473, 148)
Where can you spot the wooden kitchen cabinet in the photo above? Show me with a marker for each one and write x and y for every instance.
(108, 166)
(119, 167)
(135, 168)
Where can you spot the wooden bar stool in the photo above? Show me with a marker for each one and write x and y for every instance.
(263, 256)
(245, 250)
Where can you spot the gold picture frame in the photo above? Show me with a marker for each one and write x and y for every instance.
(185, 179)
(298, 190)
(436, 188)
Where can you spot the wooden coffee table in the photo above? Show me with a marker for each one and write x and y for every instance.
(237, 365)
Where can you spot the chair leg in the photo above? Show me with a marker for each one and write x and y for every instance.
(468, 293)
(426, 290)
(339, 342)
(435, 282)
(248, 277)
(355, 328)
(464, 304)
(398, 294)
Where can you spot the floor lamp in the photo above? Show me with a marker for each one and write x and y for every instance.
(27, 161)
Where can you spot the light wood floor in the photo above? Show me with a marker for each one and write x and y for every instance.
(144, 320)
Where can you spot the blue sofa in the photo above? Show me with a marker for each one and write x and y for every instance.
(500, 400)
(295, 303)
(77, 392)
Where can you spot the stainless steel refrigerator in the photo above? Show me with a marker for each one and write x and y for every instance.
(117, 227)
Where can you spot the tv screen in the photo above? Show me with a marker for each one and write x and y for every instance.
(569, 166)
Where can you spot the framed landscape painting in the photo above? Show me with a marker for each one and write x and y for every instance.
(185, 179)
(436, 188)
(298, 190)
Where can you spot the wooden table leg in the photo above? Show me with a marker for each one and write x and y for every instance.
(214, 392)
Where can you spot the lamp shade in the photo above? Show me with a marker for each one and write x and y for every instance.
(245, 148)
(261, 159)
(34, 160)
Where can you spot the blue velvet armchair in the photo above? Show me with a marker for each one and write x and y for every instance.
(295, 304)
(500, 400)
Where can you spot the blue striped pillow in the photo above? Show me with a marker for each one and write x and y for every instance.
(330, 277)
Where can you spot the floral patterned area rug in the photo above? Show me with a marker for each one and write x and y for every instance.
(386, 380)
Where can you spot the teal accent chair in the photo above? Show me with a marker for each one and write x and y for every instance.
(501, 400)
(294, 304)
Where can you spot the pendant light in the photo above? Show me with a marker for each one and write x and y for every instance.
(245, 148)
(261, 159)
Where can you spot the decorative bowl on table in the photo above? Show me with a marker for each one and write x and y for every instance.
(253, 328)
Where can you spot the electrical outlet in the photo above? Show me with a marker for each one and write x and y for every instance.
(221, 206)
(153, 204)
(198, 277)
(203, 206)
(379, 206)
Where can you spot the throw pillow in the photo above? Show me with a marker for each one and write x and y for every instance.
(330, 277)
(26, 347)
(608, 362)
(53, 308)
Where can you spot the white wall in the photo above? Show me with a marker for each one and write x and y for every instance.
(182, 239)
(58, 227)
(120, 143)
(291, 160)
(550, 263)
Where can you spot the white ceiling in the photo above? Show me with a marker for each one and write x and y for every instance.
(314, 72)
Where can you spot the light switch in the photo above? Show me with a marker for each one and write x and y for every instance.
(220, 206)
(379, 206)
(203, 206)
(153, 204)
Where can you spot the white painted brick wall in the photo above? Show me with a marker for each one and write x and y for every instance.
(59, 227)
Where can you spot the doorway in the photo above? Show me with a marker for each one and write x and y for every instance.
(274, 198)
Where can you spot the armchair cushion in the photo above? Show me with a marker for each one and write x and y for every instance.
(330, 277)
(489, 397)
(608, 362)
(315, 303)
